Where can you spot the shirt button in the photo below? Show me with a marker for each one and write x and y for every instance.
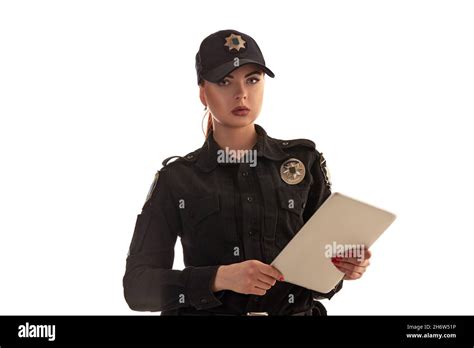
(203, 301)
(249, 199)
(245, 173)
(251, 233)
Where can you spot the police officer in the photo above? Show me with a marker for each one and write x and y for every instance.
(235, 203)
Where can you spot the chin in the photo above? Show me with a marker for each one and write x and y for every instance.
(240, 121)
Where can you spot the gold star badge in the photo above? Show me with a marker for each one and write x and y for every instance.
(234, 42)
(292, 171)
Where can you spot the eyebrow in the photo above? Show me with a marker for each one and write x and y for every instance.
(253, 72)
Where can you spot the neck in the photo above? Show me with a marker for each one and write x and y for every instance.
(241, 138)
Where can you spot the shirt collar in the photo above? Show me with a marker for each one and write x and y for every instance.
(266, 147)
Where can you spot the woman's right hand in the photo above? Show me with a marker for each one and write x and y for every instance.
(250, 277)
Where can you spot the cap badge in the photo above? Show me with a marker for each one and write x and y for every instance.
(292, 171)
(234, 42)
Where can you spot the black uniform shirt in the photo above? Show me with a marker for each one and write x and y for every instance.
(224, 213)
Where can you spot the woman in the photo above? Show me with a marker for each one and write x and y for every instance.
(235, 203)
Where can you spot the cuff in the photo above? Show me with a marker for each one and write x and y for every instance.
(335, 290)
(198, 287)
(320, 296)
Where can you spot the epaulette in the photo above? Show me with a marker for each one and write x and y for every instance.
(297, 142)
(190, 157)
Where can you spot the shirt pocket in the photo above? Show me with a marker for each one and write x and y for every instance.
(201, 215)
(291, 204)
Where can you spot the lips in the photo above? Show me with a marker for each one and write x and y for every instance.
(241, 111)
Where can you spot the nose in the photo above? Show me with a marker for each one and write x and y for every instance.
(240, 91)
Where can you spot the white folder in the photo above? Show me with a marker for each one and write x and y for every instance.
(340, 223)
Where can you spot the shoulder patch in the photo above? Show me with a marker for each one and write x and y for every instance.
(153, 186)
(325, 170)
(297, 142)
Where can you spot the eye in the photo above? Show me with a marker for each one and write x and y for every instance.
(253, 80)
(223, 82)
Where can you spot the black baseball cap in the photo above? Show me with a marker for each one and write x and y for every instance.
(224, 51)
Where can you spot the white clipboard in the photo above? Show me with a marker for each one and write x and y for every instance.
(339, 222)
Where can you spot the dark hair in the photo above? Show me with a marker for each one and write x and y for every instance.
(209, 127)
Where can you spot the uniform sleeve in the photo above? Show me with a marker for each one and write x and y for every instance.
(150, 283)
(320, 188)
(320, 191)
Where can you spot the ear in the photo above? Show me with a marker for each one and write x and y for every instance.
(202, 94)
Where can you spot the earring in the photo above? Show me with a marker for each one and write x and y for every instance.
(202, 121)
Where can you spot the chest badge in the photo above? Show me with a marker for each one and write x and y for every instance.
(292, 171)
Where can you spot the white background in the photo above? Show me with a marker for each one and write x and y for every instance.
(95, 94)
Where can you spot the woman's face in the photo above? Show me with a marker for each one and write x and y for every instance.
(243, 88)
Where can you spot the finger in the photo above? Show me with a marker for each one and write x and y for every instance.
(351, 260)
(354, 261)
(258, 291)
(266, 279)
(270, 271)
(349, 267)
(357, 255)
(367, 254)
(342, 269)
(262, 285)
(350, 274)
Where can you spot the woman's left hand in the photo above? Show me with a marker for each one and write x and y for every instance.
(352, 267)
